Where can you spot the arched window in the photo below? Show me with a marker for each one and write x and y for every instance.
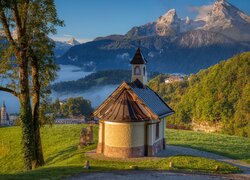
(137, 70)
(144, 71)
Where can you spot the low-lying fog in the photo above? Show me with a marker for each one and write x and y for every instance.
(70, 73)
(96, 94)
(67, 73)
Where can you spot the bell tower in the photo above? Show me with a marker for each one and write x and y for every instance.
(4, 116)
(139, 67)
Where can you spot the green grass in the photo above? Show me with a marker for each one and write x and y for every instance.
(230, 146)
(63, 158)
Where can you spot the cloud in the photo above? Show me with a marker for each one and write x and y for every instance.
(201, 11)
(123, 56)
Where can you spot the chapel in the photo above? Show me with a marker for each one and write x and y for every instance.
(132, 120)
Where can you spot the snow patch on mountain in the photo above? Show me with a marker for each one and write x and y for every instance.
(63, 46)
(221, 17)
(168, 24)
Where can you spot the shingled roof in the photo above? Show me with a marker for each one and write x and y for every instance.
(151, 99)
(124, 109)
(133, 102)
(138, 58)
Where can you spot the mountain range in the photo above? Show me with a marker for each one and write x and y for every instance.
(170, 44)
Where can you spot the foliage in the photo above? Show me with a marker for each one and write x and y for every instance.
(63, 158)
(219, 94)
(46, 114)
(72, 107)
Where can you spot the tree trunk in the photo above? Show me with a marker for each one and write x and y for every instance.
(38, 159)
(26, 113)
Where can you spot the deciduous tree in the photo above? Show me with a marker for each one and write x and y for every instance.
(28, 53)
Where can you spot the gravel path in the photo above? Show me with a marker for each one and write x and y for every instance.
(158, 175)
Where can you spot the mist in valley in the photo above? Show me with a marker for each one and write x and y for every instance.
(66, 73)
(95, 94)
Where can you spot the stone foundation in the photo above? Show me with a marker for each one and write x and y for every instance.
(123, 152)
(99, 148)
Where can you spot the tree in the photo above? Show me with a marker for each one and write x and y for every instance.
(42, 62)
(28, 49)
(72, 107)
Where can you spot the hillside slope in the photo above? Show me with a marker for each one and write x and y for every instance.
(218, 96)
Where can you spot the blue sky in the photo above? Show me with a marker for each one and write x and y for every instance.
(87, 19)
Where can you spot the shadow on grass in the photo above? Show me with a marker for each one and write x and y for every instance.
(45, 173)
(57, 172)
(62, 155)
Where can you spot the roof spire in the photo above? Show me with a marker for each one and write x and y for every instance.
(138, 58)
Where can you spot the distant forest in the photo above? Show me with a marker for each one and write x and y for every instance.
(72, 107)
(217, 95)
(100, 78)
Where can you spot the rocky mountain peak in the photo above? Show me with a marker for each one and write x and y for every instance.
(168, 24)
(73, 42)
(227, 19)
(168, 17)
(222, 7)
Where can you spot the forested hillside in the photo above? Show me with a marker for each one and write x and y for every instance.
(219, 95)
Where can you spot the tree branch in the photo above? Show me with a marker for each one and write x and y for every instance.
(9, 91)
(5, 25)
(17, 20)
(26, 8)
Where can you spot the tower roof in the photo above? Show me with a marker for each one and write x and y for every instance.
(138, 58)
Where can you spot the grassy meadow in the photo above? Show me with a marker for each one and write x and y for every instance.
(231, 146)
(63, 158)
